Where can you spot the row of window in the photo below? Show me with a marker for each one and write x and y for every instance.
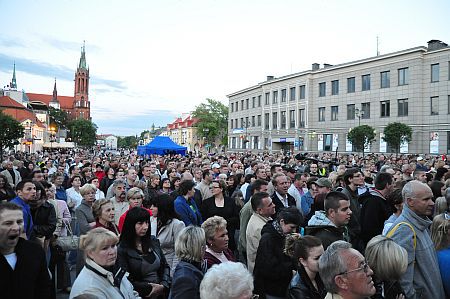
(385, 82)
(255, 121)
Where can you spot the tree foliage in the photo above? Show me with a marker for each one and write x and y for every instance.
(11, 131)
(397, 133)
(213, 120)
(361, 137)
(127, 142)
(58, 117)
(83, 132)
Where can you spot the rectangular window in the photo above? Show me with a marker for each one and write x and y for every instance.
(259, 120)
(335, 87)
(267, 100)
(435, 72)
(247, 123)
(302, 89)
(259, 101)
(403, 76)
(232, 107)
(351, 84)
(448, 104)
(253, 121)
(334, 112)
(275, 97)
(292, 119)
(283, 120)
(242, 122)
(301, 118)
(292, 94)
(266, 121)
(322, 114)
(242, 105)
(253, 102)
(247, 104)
(231, 124)
(236, 107)
(283, 95)
(322, 89)
(434, 104)
(365, 82)
(403, 107)
(327, 142)
(365, 109)
(275, 120)
(255, 142)
(385, 81)
(351, 111)
(385, 108)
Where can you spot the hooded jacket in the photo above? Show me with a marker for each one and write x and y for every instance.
(321, 227)
(422, 278)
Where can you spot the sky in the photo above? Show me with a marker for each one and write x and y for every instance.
(150, 61)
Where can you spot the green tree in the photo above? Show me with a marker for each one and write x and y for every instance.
(397, 133)
(11, 131)
(361, 137)
(127, 142)
(213, 120)
(83, 132)
(58, 117)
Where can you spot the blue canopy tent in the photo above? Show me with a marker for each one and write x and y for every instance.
(161, 145)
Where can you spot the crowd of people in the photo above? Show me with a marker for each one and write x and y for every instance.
(235, 225)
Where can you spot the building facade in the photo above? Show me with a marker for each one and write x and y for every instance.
(315, 109)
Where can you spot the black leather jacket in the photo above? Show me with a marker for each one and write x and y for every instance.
(130, 260)
(302, 287)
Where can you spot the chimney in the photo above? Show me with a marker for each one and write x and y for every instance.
(270, 78)
(315, 66)
(325, 65)
(435, 44)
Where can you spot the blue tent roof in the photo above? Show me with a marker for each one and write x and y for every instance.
(161, 145)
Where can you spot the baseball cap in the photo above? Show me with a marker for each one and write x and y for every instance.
(419, 158)
(215, 165)
(324, 182)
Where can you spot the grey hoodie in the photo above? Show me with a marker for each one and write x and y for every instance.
(422, 278)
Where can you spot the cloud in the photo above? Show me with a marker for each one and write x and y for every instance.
(66, 45)
(58, 71)
(12, 42)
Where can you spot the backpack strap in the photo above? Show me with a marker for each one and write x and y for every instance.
(392, 231)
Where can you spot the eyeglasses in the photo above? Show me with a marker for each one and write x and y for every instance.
(446, 216)
(364, 267)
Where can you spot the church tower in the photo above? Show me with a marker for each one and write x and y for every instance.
(81, 102)
(54, 102)
(13, 84)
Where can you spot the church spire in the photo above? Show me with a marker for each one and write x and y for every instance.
(82, 64)
(55, 93)
(13, 84)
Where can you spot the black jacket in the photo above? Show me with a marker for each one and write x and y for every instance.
(30, 278)
(302, 287)
(279, 205)
(273, 269)
(44, 221)
(130, 260)
(186, 281)
(326, 233)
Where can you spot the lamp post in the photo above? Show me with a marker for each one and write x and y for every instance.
(52, 138)
(205, 132)
(359, 114)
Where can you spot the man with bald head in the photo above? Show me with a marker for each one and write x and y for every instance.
(411, 231)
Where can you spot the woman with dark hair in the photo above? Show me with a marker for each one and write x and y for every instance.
(164, 186)
(167, 227)
(108, 179)
(438, 189)
(221, 205)
(305, 252)
(185, 205)
(74, 197)
(25, 172)
(140, 254)
(231, 184)
(175, 184)
(6, 191)
(395, 200)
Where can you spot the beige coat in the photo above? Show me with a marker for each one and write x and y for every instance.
(253, 235)
(10, 179)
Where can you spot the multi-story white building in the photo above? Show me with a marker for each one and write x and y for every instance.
(315, 109)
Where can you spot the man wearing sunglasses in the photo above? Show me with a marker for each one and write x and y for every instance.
(411, 231)
(345, 273)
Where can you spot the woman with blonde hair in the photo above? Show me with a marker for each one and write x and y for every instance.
(389, 261)
(188, 274)
(99, 276)
(216, 233)
(103, 210)
(440, 234)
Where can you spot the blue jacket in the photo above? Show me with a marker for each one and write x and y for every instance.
(188, 212)
(61, 194)
(27, 218)
(444, 262)
(186, 281)
(306, 202)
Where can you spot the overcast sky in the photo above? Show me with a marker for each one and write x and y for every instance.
(153, 60)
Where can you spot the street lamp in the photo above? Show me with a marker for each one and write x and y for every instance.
(359, 114)
(52, 137)
(205, 132)
(246, 125)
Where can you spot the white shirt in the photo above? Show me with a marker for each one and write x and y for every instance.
(11, 259)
